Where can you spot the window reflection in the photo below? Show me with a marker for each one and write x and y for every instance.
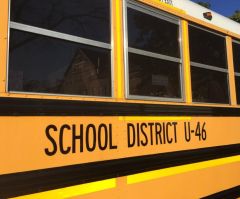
(43, 64)
(236, 56)
(85, 18)
(237, 82)
(209, 86)
(153, 77)
(207, 48)
(152, 34)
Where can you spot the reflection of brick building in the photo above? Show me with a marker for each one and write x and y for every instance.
(82, 77)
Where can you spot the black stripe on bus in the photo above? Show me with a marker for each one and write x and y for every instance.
(47, 107)
(12, 185)
(231, 193)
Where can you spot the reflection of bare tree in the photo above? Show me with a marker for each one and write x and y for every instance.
(153, 34)
(56, 15)
(148, 76)
(207, 48)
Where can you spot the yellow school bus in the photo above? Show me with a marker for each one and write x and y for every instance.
(118, 99)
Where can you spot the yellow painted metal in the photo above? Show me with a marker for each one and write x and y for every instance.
(31, 143)
(164, 6)
(118, 49)
(151, 175)
(216, 126)
(118, 54)
(186, 63)
(151, 118)
(3, 44)
(231, 71)
(201, 182)
(73, 190)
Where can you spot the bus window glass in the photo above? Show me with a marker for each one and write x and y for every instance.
(154, 58)
(44, 64)
(82, 18)
(209, 73)
(152, 34)
(237, 82)
(44, 60)
(207, 48)
(236, 56)
(236, 61)
(209, 86)
(153, 77)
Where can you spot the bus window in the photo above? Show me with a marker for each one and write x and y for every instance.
(56, 47)
(236, 59)
(208, 66)
(154, 55)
